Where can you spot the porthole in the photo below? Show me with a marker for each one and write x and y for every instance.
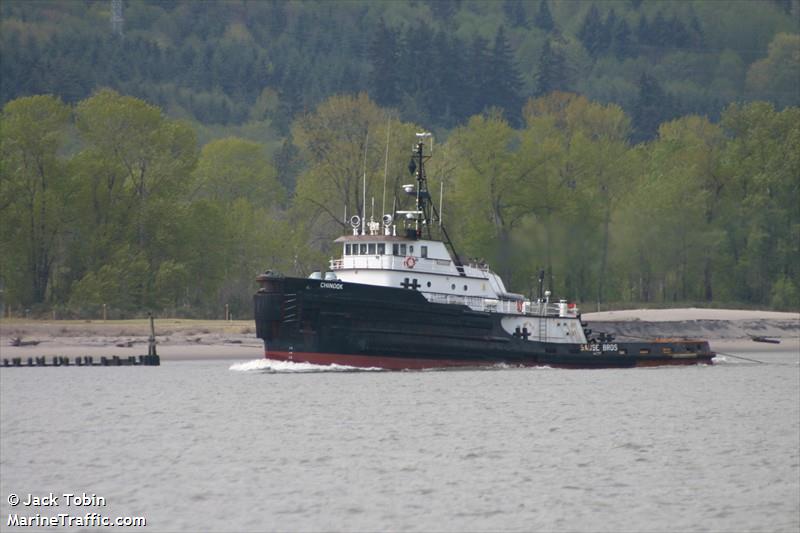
(429, 284)
(465, 287)
(453, 286)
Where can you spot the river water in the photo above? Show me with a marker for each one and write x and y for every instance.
(254, 446)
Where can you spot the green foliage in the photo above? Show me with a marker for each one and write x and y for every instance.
(131, 215)
(438, 62)
(552, 74)
(785, 295)
(343, 141)
(122, 284)
(543, 19)
(777, 77)
(233, 168)
(34, 206)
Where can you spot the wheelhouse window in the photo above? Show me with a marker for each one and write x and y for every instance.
(363, 248)
(346, 249)
(381, 248)
(371, 248)
(395, 249)
(402, 249)
(410, 249)
(423, 251)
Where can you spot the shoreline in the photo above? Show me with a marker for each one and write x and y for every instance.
(196, 340)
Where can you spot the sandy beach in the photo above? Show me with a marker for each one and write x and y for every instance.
(177, 339)
(728, 330)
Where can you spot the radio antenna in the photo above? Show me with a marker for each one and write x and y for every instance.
(441, 199)
(386, 165)
(364, 189)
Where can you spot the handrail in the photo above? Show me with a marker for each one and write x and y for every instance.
(508, 307)
(394, 262)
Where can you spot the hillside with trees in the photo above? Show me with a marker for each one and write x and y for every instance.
(639, 152)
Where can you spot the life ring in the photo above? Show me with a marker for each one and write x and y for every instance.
(519, 306)
(410, 262)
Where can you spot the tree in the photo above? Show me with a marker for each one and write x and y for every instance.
(34, 186)
(777, 77)
(552, 74)
(488, 186)
(384, 54)
(621, 42)
(593, 32)
(643, 36)
(606, 36)
(690, 182)
(763, 162)
(543, 19)
(585, 171)
(133, 174)
(153, 153)
(233, 168)
(452, 95)
(287, 164)
(333, 141)
(477, 79)
(415, 65)
(515, 13)
(506, 82)
(659, 31)
(652, 107)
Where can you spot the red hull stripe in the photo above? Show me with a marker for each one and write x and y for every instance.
(370, 361)
(407, 363)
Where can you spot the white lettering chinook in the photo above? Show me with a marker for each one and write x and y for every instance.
(328, 285)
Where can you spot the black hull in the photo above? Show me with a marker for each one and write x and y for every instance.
(332, 322)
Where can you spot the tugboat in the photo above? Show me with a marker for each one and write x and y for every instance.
(407, 301)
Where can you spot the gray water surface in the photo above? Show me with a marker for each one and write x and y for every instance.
(211, 446)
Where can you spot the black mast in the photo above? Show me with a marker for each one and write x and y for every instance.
(424, 205)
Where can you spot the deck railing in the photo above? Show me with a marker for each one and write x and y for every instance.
(509, 307)
(393, 262)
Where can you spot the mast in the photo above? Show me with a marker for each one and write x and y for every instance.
(424, 206)
(364, 190)
(386, 165)
(422, 186)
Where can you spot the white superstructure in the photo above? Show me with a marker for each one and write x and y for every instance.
(375, 255)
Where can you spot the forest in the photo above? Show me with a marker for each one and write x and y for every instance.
(641, 153)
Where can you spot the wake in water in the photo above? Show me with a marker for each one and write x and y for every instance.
(272, 366)
(772, 359)
(724, 360)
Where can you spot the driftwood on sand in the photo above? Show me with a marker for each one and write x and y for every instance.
(17, 341)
